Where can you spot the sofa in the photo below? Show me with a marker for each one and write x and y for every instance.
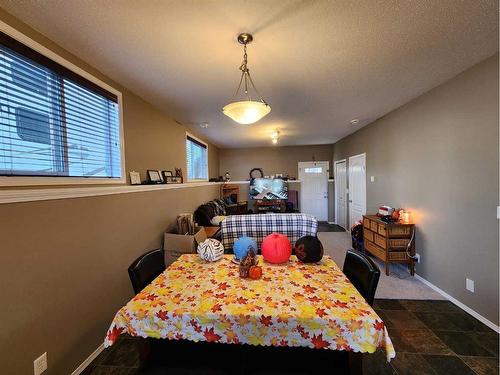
(258, 227)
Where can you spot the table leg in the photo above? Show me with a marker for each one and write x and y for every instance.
(355, 363)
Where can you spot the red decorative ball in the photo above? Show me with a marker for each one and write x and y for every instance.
(276, 248)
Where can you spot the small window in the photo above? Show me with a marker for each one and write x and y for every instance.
(197, 159)
(54, 122)
(313, 170)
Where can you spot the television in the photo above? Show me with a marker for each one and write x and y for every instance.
(268, 189)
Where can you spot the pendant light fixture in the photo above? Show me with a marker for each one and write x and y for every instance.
(246, 111)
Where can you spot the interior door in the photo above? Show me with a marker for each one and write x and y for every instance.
(357, 188)
(341, 193)
(314, 188)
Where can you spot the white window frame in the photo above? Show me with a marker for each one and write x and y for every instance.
(204, 143)
(56, 180)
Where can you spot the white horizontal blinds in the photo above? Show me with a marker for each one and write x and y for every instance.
(197, 159)
(53, 122)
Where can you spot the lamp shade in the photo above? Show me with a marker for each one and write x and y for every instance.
(246, 112)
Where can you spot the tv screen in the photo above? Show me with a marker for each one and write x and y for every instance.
(268, 188)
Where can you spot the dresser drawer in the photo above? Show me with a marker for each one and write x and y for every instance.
(375, 250)
(381, 229)
(366, 223)
(368, 235)
(373, 226)
(399, 242)
(399, 230)
(379, 240)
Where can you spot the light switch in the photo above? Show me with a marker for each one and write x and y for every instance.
(372, 178)
(469, 285)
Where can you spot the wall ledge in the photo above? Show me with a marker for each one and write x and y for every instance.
(32, 195)
(247, 182)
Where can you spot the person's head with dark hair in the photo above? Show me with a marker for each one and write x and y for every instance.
(309, 249)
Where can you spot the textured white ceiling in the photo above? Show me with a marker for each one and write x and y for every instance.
(318, 63)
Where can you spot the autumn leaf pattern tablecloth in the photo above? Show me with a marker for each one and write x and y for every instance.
(310, 305)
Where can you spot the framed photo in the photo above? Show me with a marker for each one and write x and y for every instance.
(154, 176)
(173, 180)
(166, 175)
(135, 178)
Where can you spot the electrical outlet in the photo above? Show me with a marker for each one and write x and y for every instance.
(469, 285)
(40, 364)
(417, 257)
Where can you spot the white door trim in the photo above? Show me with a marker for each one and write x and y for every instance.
(336, 190)
(349, 185)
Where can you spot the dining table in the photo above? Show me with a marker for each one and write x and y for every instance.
(291, 305)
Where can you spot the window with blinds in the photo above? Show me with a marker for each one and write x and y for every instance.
(197, 159)
(54, 122)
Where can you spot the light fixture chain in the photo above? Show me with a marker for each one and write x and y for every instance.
(255, 88)
(246, 78)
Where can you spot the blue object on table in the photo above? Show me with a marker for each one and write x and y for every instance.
(242, 245)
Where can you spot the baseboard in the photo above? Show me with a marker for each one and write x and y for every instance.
(331, 222)
(466, 308)
(89, 360)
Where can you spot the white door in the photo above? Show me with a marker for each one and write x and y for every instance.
(357, 188)
(314, 188)
(340, 193)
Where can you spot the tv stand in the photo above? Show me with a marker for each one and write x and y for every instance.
(274, 205)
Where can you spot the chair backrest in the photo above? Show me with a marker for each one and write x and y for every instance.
(146, 268)
(363, 274)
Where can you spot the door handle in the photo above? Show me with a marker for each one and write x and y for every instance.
(350, 201)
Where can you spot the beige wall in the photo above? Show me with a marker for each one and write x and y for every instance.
(239, 161)
(154, 141)
(273, 160)
(64, 262)
(438, 156)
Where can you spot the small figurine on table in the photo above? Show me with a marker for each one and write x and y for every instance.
(248, 261)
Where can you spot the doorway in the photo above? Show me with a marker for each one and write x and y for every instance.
(357, 188)
(340, 180)
(314, 188)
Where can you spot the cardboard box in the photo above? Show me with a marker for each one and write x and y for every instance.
(174, 245)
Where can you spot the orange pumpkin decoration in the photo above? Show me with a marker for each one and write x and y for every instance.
(255, 272)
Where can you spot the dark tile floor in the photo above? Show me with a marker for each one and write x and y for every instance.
(323, 226)
(430, 337)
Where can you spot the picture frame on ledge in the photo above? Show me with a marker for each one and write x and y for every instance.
(166, 175)
(154, 177)
(135, 178)
(173, 180)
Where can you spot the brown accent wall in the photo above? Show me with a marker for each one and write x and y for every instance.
(438, 156)
(64, 262)
(239, 161)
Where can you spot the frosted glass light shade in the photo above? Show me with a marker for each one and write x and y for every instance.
(246, 112)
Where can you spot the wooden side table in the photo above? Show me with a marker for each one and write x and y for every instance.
(389, 241)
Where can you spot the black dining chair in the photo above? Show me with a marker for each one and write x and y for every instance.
(146, 268)
(363, 273)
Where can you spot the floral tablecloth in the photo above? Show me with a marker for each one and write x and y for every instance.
(311, 305)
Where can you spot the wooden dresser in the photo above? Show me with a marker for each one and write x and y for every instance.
(388, 241)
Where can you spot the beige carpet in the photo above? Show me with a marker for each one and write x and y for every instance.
(398, 285)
